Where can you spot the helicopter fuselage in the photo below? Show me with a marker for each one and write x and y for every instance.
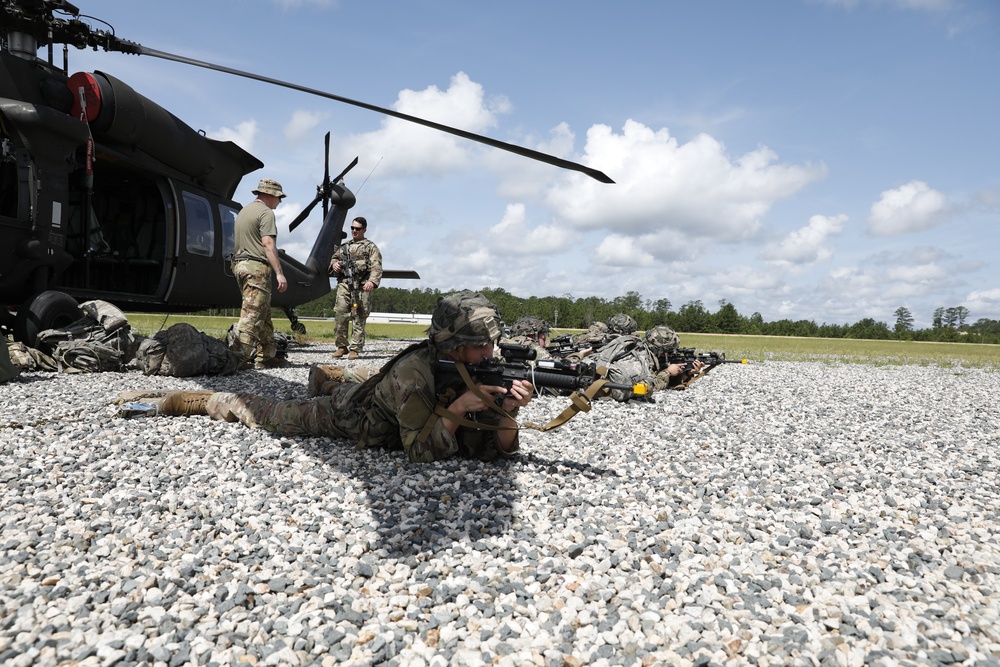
(106, 195)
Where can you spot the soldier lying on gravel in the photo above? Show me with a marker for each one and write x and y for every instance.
(399, 407)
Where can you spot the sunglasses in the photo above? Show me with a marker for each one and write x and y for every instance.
(356, 229)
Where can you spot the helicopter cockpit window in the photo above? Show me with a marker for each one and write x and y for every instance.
(200, 230)
(228, 216)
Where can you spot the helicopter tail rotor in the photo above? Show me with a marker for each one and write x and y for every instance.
(324, 192)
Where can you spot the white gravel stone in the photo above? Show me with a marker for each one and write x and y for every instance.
(813, 513)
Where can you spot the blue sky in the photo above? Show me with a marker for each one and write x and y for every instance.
(828, 160)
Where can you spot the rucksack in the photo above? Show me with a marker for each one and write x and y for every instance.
(627, 362)
(102, 340)
(29, 358)
(183, 351)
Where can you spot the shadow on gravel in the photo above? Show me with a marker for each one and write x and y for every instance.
(426, 508)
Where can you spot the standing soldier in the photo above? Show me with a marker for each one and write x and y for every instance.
(357, 265)
(255, 256)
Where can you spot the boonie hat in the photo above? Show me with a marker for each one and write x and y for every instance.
(269, 186)
(464, 318)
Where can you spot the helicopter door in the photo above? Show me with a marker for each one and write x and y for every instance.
(200, 275)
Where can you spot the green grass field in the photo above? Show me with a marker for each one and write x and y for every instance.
(753, 348)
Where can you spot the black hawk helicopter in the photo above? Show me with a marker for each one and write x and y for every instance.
(104, 194)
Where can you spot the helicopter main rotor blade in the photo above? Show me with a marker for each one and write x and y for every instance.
(495, 143)
(326, 175)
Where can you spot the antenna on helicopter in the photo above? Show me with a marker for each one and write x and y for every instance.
(369, 175)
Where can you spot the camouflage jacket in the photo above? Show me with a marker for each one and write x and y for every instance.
(367, 262)
(395, 410)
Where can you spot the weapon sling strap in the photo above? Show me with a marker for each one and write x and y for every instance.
(579, 402)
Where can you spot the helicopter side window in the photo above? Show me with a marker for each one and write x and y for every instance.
(228, 216)
(200, 231)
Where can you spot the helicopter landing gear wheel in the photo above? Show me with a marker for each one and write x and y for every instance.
(48, 310)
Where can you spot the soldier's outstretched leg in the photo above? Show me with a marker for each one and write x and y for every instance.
(292, 417)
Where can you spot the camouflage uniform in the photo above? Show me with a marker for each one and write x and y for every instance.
(353, 303)
(255, 330)
(525, 331)
(595, 336)
(394, 409)
(660, 342)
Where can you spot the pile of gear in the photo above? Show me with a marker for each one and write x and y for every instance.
(102, 340)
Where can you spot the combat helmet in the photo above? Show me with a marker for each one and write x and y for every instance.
(661, 339)
(463, 318)
(529, 325)
(622, 324)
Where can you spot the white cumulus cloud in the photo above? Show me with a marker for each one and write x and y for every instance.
(806, 245)
(912, 207)
(693, 187)
(410, 148)
(302, 123)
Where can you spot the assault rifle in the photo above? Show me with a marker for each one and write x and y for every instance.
(563, 346)
(350, 271)
(559, 374)
(686, 356)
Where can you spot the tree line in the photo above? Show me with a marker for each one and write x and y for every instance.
(567, 312)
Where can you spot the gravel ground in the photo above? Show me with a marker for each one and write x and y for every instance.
(775, 514)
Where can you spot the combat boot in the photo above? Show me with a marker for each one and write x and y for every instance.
(183, 403)
(341, 351)
(353, 355)
(322, 378)
(273, 362)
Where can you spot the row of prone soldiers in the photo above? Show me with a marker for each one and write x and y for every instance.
(625, 357)
(404, 404)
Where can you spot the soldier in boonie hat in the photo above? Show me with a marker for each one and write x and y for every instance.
(269, 186)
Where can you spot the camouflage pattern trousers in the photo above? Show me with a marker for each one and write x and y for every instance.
(325, 416)
(255, 331)
(344, 312)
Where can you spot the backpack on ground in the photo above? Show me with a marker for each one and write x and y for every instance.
(183, 351)
(627, 362)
